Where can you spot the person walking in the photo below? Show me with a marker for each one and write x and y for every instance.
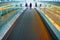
(26, 5)
(30, 5)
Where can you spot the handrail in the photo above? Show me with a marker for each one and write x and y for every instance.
(50, 27)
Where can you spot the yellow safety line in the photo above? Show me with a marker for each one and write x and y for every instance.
(52, 21)
(55, 14)
(5, 8)
(58, 7)
(53, 10)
